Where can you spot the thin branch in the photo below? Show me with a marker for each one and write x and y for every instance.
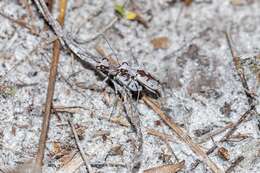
(208, 136)
(50, 92)
(226, 136)
(160, 134)
(82, 153)
(165, 138)
(197, 161)
(235, 163)
(242, 118)
(240, 71)
(183, 136)
(250, 98)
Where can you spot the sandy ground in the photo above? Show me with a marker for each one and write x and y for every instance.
(202, 91)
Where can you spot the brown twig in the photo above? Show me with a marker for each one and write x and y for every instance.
(50, 92)
(250, 98)
(165, 138)
(241, 120)
(235, 163)
(208, 136)
(159, 134)
(224, 138)
(240, 71)
(197, 161)
(82, 153)
(183, 136)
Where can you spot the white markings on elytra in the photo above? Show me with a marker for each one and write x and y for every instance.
(134, 79)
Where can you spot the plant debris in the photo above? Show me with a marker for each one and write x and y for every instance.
(171, 168)
(160, 42)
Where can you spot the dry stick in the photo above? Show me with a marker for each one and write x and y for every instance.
(250, 98)
(236, 124)
(159, 134)
(227, 135)
(170, 168)
(50, 92)
(197, 161)
(76, 161)
(82, 153)
(240, 71)
(183, 136)
(165, 138)
(208, 136)
(234, 164)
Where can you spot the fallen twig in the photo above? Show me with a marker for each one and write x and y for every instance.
(50, 92)
(240, 71)
(225, 138)
(183, 136)
(83, 155)
(170, 168)
(208, 136)
(250, 98)
(159, 134)
(164, 137)
(235, 163)
(197, 161)
(242, 118)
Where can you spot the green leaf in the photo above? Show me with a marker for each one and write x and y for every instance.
(120, 10)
